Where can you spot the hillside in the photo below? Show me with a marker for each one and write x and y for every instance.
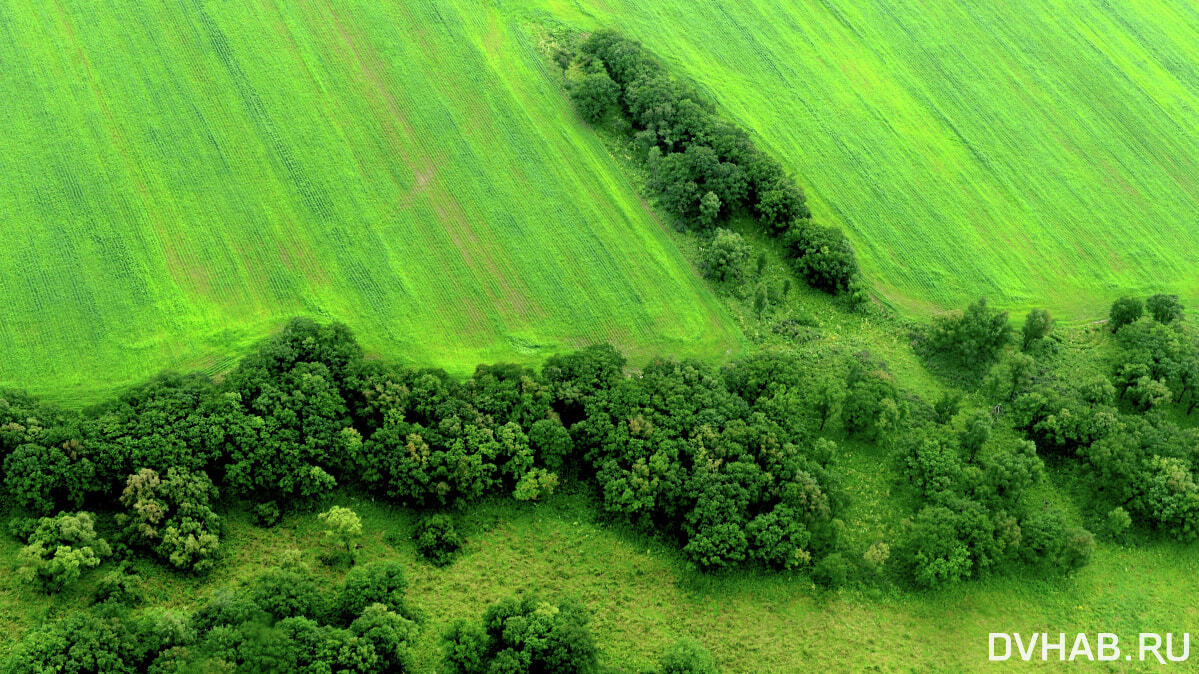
(1041, 154)
(180, 179)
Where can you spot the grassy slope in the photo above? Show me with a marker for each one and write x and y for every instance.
(180, 178)
(644, 597)
(1037, 153)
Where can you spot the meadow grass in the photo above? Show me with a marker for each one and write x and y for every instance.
(644, 596)
(1037, 153)
(181, 178)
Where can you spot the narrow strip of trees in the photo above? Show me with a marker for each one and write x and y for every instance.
(702, 168)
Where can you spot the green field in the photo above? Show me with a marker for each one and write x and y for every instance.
(179, 178)
(1038, 153)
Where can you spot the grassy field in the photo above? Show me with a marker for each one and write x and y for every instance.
(1038, 153)
(644, 597)
(179, 178)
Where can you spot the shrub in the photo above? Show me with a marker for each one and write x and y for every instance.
(831, 572)
(1117, 523)
(120, 586)
(436, 539)
(288, 591)
(1124, 311)
(725, 256)
(876, 556)
(687, 656)
(267, 514)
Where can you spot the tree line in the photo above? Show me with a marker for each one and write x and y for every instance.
(702, 168)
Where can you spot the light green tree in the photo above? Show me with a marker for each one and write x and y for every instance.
(343, 529)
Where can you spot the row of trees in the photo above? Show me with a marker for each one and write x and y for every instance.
(702, 167)
(697, 455)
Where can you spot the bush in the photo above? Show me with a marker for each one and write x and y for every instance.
(436, 539)
(725, 256)
(1124, 311)
(120, 586)
(831, 572)
(523, 635)
(1117, 523)
(267, 514)
(60, 549)
(687, 656)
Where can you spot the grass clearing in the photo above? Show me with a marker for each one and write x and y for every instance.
(644, 597)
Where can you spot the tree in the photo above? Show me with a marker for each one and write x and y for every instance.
(780, 204)
(374, 583)
(724, 257)
(343, 529)
(709, 210)
(389, 633)
(437, 539)
(42, 478)
(761, 264)
(760, 301)
(823, 256)
(1164, 308)
(173, 517)
(972, 339)
(59, 550)
(1148, 393)
(594, 93)
(1124, 311)
(1037, 326)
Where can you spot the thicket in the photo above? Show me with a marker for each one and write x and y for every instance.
(523, 635)
(703, 169)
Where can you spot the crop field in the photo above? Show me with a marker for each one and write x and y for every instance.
(1038, 153)
(179, 178)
